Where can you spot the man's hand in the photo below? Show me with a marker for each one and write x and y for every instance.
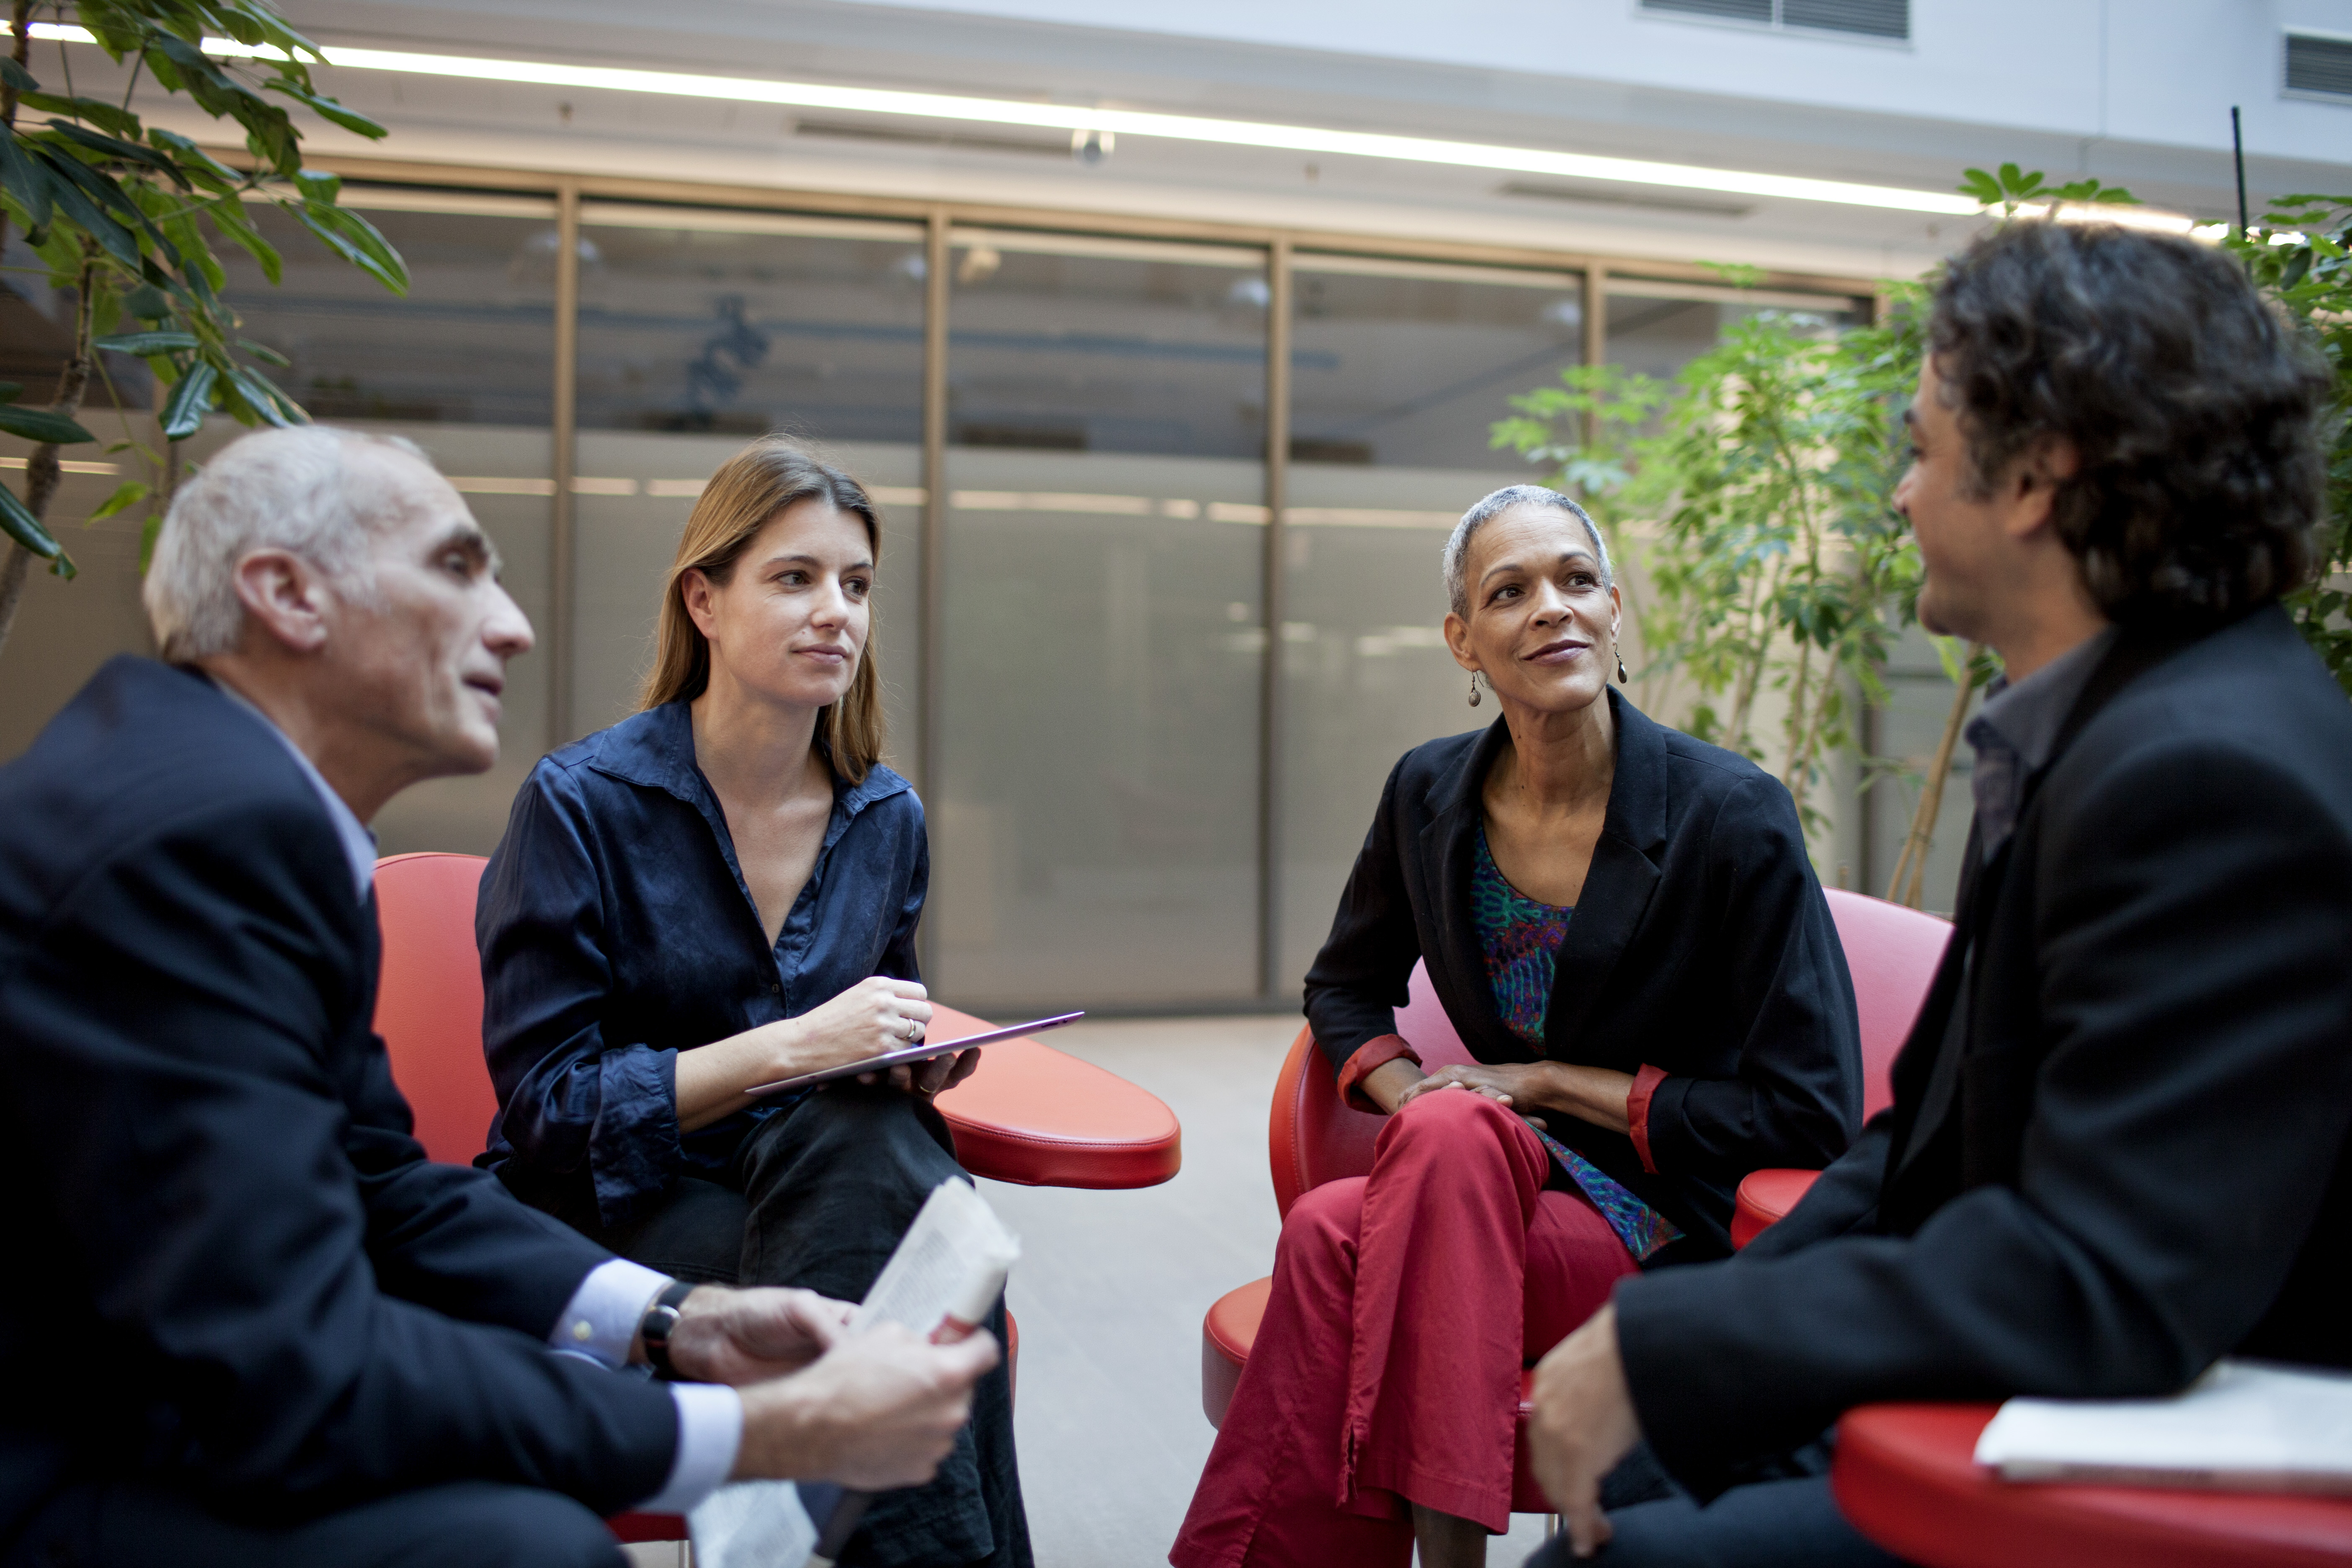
(1583, 1423)
(875, 1412)
(745, 1336)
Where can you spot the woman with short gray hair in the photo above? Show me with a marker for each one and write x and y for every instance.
(1625, 931)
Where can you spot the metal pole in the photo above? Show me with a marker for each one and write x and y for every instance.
(1596, 333)
(929, 728)
(1271, 704)
(936, 262)
(563, 568)
(2238, 155)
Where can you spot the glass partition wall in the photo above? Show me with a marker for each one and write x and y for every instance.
(1094, 804)
(1157, 549)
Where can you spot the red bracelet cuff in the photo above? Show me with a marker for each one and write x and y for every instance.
(1371, 1057)
(1637, 1111)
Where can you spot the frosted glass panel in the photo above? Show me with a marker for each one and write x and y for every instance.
(1094, 829)
(699, 330)
(1401, 369)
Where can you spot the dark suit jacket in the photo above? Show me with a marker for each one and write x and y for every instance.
(1701, 945)
(2117, 1148)
(232, 1271)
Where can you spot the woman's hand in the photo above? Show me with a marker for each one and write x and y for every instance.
(874, 1016)
(1598, 1095)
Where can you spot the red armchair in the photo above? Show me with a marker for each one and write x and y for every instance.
(1031, 1115)
(1892, 952)
(1312, 1137)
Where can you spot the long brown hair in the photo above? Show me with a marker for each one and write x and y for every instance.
(742, 497)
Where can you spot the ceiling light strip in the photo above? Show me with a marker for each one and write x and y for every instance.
(1120, 121)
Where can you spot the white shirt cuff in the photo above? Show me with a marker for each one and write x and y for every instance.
(709, 1430)
(602, 1316)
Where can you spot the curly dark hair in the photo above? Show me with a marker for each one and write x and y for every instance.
(2193, 410)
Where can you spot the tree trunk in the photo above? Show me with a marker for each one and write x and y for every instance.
(1922, 836)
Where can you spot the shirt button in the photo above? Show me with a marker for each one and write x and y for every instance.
(775, 985)
(583, 1330)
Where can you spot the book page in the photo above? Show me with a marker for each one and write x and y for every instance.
(949, 1269)
(2244, 1426)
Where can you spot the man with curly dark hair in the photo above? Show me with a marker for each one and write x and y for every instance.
(2121, 1141)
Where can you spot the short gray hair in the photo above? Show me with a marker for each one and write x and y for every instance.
(1457, 544)
(289, 489)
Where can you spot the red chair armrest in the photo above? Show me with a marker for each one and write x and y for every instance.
(1038, 1118)
(1766, 1196)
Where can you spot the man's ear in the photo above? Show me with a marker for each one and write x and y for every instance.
(285, 598)
(2034, 480)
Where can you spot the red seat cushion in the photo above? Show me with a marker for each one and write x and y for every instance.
(647, 1526)
(1230, 1331)
(1040, 1118)
(1765, 1198)
(1907, 1476)
(428, 1001)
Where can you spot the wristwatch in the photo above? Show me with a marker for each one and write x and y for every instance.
(659, 1320)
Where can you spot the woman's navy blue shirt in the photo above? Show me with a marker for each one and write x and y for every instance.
(616, 931)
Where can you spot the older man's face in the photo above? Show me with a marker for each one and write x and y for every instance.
(423, 658)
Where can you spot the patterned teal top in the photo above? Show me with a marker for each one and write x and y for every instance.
(1521, 938)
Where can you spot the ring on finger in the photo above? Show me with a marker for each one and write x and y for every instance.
(914, 1031)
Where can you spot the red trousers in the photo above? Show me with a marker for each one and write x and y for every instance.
(1386, 1371)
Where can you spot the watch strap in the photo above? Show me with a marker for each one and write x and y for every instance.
(660, 1319)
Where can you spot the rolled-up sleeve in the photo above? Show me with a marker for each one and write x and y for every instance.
(567, 1096)
(1795, 1097)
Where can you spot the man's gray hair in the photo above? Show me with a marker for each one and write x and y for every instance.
(1457, 543)
(289, 489)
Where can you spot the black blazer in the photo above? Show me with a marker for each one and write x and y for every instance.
(1701, 945)
(2118, 1144)
(232, 1271)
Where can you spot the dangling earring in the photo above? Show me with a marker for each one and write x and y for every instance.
(1620, 669)
(1473, 688)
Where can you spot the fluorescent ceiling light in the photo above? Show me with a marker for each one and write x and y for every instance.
(1120, 121)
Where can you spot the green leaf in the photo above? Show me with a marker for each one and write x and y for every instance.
(98, 111)
(18, 523)
(115, 147)
(41, 424)
(191, 400)
(24, 180)
(327, 109)
(10, 389)
(17, 76)
(130, 493)
(1980, 186)
(148, 303)
(195, 163)
(318, 186)
(264, 353)
(80, 209)
(145, 344)
(228, 215)
(267, 400)
(355, 239)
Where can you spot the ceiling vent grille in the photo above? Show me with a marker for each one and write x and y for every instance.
(2322, 67)
(1863, 18)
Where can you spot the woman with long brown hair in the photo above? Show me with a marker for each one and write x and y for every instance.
(719, 892)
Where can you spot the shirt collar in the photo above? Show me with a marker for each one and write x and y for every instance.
(2028, 714)
(359, 843)
(2017, 731)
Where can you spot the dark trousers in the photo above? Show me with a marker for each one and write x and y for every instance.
(469, 1524)
(818, 1197)
(1792, 1523)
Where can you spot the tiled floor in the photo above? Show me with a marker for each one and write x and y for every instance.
(1110, 1291)
(1112, 1286)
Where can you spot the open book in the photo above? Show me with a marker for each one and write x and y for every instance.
(2242, 1426)
(947, 1273)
